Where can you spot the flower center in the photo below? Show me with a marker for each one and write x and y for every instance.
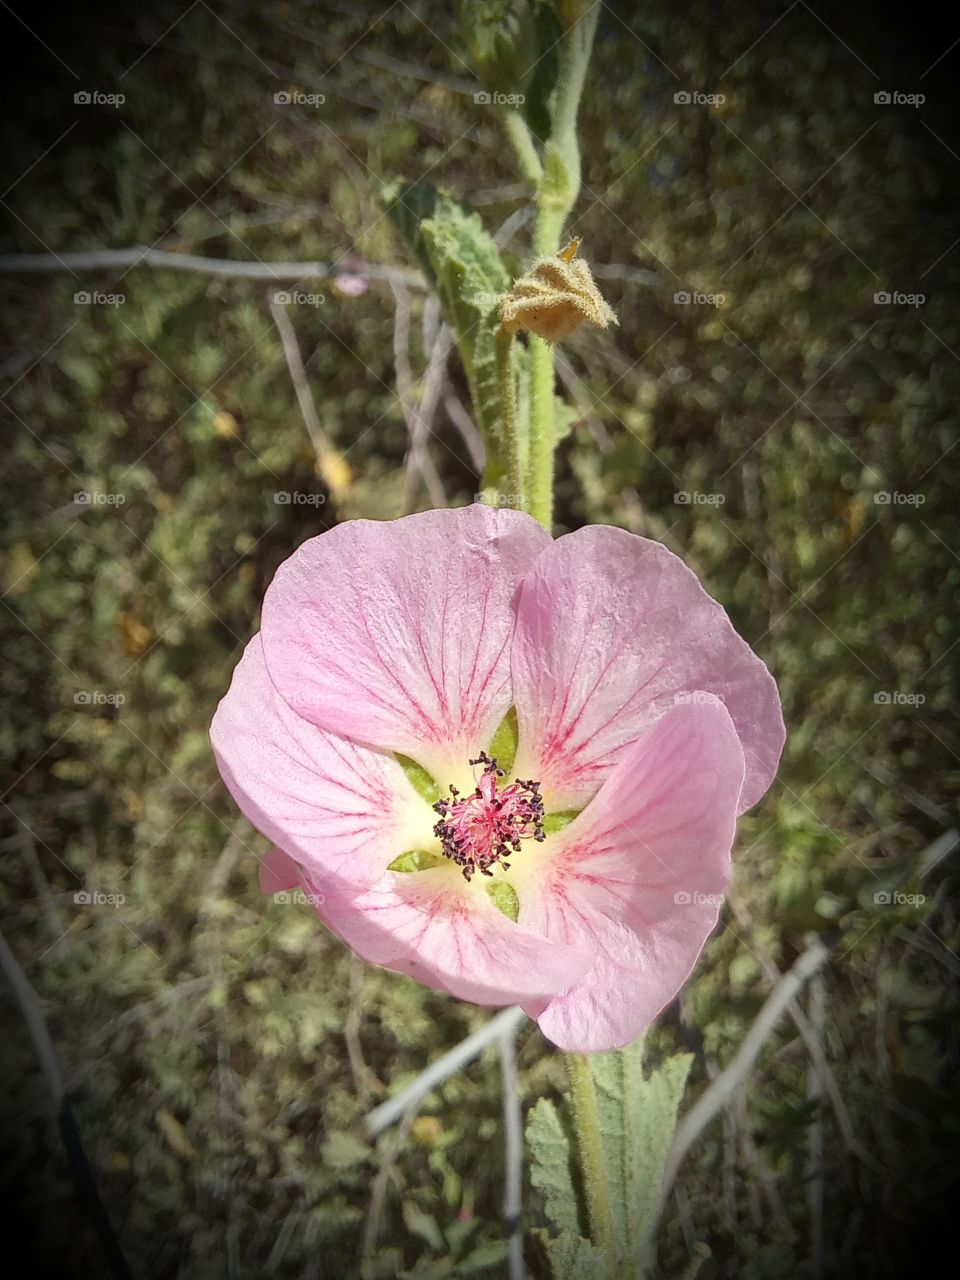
(481, 830)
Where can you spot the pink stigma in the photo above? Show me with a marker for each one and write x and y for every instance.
(483, 829)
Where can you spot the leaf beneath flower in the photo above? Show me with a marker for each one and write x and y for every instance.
(557, 821)
(503, 748)
(504, 898)
(418, 777)
(415, 860)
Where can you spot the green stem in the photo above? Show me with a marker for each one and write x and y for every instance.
(516, 441)
(522, 140)
(586, 1119)
(557, 191)
(542, 431)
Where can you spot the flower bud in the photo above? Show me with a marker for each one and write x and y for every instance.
(555, 297)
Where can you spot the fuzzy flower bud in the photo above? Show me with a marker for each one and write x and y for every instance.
(555, 297)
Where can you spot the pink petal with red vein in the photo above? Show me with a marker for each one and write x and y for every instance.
(448, 935)
(335, 807)
(397, 634)
(639, 875)
(613, 630)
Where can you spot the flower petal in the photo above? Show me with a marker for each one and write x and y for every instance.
(449, 936)
(640, 873)
(398, 633)
(278, 872)
(333, 806)
(612, 630)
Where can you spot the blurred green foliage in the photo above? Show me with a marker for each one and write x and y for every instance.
(204, 1029)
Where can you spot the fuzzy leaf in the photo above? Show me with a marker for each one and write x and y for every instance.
(638, 1117)
(462, 260)
(550, 1169)
(573, 1258)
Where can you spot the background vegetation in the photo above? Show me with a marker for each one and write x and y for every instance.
(222, 1049)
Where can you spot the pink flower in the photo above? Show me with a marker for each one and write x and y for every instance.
(349, 285)
(583, 884)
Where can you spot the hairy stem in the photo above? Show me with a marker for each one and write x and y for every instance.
(515, 439)
(557, 191)
(586, 1119)
(542, 431)
(522, 140)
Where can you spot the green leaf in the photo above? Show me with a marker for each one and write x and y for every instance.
(504, 898)
(573, 1258)
(540, 87)
(461, 258)
(486, 1255)
(423, 1225)
(550, 1170)
(343, 1150)
(415, 860)
(638, 1117)
(503, 748)
(557, 821)
(418, 777)
(514, 47)
(564, 416)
